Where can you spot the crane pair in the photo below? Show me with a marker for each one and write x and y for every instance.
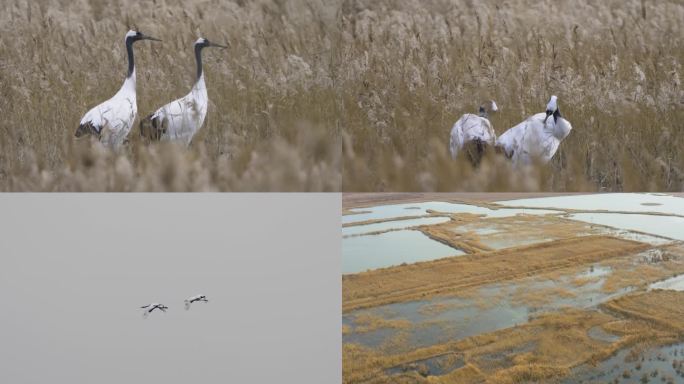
(536, 138)
(111, 121)
(149, 308)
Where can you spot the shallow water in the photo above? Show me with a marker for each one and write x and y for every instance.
(659, 364)
(672, 227)
(598, 333)
(675, 283)
(441, 320)
(433, 366)
(396, 224)
(633, 202)
(361, 253)
(418, 209)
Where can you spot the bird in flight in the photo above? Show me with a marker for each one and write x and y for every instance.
(190, 300)
(149, 308)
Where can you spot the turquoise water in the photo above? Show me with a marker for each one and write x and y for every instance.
(632, 202)
(672, 227)
(396, 224)
(419, 209)
(361, 253)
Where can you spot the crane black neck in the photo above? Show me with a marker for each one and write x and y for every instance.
(556, 114)
(198, 58)
(131, 60)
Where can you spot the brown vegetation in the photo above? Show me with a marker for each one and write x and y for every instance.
(413, 67)
(272, 123)
(449, 275)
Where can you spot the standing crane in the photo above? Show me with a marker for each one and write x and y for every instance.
(111, 121)
(179, 120)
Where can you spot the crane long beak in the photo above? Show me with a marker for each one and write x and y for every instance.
(217, 45)
(145, 37)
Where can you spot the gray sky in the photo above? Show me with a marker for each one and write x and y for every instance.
(75, 268)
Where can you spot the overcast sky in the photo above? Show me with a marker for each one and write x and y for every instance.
(74, 270)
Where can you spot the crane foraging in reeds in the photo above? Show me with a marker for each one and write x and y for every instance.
(179, 120)
(473, 134)
(112, 120)
(536, 138)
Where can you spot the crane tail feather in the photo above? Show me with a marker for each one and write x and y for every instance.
(87, 128)
(152, 127)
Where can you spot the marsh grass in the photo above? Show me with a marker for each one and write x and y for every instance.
(413, 67)
(354, 95)
(271, 123)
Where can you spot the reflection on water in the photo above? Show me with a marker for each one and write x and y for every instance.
(361, 253)
(493, 307)
(433, 366)
(654, 365)
(396, 224)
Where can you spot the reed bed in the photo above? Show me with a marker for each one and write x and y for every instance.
(353, 95)
(271, 124)
(415, 66)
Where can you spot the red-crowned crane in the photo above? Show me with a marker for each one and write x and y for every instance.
(472, 134)
(111, 121)
(538, 137)
(190, 300)
(179, 120)
(149, 308)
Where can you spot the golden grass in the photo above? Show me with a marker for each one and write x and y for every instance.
(542, 350)
(367, 323)
(560, 341)
(273, 118)
(661, 308)
(456, 274)
(414, 66)
(461, 231)
(357, 95)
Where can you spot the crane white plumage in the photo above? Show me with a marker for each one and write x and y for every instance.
(179, 120)
(473, 130)
(190, 300)
(149, 308)
(538, 137)
(111, 121)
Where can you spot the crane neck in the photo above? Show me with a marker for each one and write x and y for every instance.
(198, 58)
(131, 60)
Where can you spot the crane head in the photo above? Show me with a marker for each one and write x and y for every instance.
(134, 36)
(551, 107)
(205, 43)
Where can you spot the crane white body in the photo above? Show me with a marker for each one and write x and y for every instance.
(468, 128)
(114, 118)
(182, 118)
(179, 120)
(536, 138)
